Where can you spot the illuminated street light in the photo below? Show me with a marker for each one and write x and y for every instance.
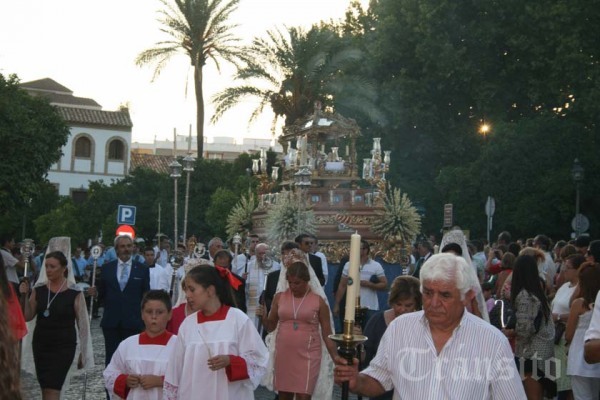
(484, 129)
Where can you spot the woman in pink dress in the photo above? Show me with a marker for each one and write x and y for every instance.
(299, 313)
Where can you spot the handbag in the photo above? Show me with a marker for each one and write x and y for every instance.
(503, 312)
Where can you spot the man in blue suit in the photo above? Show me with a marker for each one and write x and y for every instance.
(122, 285)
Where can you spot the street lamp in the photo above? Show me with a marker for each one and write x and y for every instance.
(484, 129)
(577, 173)
(175, 168)
(188, 167)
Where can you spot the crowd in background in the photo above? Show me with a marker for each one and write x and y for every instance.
(538, 294)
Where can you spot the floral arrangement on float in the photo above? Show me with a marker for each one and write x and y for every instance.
(398, 223)
(240, 216)
(290, 216)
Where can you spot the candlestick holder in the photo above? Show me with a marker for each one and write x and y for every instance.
(346, 345)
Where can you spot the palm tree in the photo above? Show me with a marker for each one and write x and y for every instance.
(290, 70)
(199, 29)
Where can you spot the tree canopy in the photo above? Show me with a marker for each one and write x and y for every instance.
(288, 70)
(529, 69)
(32, 134)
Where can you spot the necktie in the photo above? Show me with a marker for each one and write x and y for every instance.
(124, 276)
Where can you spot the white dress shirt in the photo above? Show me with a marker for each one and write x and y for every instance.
(324, 264)
(475, 363)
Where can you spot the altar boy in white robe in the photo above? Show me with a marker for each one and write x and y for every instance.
(136, 370)
(219, 354)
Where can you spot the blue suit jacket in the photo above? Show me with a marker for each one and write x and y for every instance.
(123, 308)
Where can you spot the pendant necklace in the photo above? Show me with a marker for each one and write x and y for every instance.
(295, 325)
(47, 310)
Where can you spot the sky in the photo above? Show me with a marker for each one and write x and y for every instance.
(90, 46)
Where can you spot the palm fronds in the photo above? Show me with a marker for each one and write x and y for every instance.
(240, 216)
(399, 220)
(288, 218)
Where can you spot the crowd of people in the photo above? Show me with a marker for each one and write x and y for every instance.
(466, 319)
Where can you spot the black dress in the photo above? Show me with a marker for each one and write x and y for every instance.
(54, 337)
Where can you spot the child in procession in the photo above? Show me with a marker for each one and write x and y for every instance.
(137, 368)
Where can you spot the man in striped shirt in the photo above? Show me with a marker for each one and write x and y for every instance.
(442, 352)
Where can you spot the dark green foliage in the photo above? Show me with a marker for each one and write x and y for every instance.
(31, 134)
(528, 68)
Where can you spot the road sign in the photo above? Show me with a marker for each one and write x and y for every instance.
(447, 215)
(126, 215)
(126, 230)
(580, 223)
(490, 206)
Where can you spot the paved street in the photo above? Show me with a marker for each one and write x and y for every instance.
(95, 385)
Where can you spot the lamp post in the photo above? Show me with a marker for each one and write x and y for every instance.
(175, 168)
(577, 173)
(188, 167)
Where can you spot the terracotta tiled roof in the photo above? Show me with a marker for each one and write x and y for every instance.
(76, 110)
(96, 117)
(151, 161)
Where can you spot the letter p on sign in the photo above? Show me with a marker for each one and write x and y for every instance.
(126, 215)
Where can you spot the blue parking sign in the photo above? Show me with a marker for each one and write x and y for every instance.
(126, 215)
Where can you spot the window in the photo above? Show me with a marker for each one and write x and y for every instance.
(83, 147)
(78, 195)
(116, 150)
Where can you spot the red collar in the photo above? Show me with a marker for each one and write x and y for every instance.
(160, 340)
(219, 315)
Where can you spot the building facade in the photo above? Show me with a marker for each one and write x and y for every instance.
(98, 147)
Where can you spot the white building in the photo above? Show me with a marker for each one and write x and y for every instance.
(216, 148)
(98, 147)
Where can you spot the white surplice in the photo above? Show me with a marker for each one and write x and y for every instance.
(228, 332)
(159, 279)
(139, 355)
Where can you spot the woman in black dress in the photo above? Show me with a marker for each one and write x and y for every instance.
(404, 297)
(58, 306)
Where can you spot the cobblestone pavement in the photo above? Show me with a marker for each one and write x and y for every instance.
(95, 384)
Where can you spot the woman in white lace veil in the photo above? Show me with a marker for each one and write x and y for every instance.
(458, 237)
(84, 354)
(324, 386)
(190, 263)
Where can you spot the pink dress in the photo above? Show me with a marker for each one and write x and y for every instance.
(298, 344)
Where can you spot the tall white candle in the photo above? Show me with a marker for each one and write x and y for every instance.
(353, 288)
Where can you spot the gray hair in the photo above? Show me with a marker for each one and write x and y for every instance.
(447, 267)
(121, 237)
(214, 240)
(261, 245)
